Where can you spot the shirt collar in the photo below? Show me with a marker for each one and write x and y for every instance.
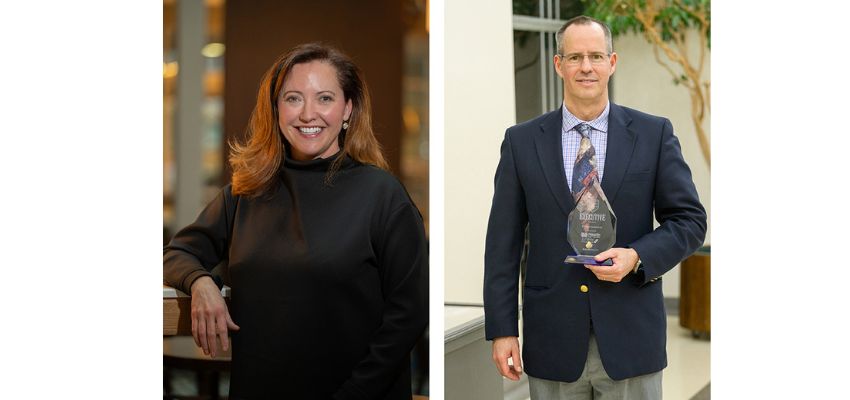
(569, 121)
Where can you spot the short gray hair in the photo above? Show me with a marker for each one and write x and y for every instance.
(584, 20)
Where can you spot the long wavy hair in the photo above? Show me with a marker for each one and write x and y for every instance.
(256, 163)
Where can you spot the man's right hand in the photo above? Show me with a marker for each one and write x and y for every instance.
(210, 317)
(507, 347)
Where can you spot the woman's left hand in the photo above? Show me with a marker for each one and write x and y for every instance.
(210, 318)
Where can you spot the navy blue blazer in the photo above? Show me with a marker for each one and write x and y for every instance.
(644, 173)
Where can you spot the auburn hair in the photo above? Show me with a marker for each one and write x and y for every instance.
(256, 163)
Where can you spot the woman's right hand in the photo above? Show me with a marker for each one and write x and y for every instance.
(210, 317)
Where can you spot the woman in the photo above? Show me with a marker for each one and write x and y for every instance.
(326, 253)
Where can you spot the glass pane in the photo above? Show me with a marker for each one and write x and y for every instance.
(211, 141)
(414, 141)
(570, 8)
(527, 75)
(212, 106)
(527, 7)
(169, 92)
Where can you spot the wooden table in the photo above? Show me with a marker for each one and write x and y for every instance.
(177, 311)
(695, 292)
(179, 350)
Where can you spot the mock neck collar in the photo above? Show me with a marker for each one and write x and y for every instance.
(318, 164)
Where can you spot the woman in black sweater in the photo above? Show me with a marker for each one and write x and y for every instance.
(326, 253)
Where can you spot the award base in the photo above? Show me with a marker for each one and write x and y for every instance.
(586, 260)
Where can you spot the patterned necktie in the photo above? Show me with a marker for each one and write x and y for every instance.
(592, 225)
(584, 171)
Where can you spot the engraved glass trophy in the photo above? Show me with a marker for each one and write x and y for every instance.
(591, 227)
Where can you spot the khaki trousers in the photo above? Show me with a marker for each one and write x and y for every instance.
(594, 384)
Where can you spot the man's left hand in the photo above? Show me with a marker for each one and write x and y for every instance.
(624, 262)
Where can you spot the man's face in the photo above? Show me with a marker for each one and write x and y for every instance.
(585, 65)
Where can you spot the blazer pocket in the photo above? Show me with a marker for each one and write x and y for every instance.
(638, 176)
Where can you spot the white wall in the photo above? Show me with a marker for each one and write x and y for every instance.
(641, 83)
(479, 107)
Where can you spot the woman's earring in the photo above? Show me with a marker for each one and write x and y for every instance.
(344, 124)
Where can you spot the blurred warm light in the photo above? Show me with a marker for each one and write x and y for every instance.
(411, 119)
(170, 70)
(213, 50)
(214, 83)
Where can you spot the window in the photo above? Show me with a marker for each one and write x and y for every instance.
(538, 89)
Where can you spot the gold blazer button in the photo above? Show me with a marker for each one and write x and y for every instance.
(583, 288)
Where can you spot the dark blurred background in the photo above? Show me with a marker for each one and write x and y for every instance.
(214, 55)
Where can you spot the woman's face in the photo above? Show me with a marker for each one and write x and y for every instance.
(311, 109)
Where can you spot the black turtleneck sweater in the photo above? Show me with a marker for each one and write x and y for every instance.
(329, 283)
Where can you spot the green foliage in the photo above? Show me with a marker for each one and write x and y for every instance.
(617, 14)
(673, 18)
(660, 23)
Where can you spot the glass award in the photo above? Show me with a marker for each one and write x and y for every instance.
(591, 227)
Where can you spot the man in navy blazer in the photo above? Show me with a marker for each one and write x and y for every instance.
(587, 328)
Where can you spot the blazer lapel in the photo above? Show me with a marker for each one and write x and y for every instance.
(621, 143)
(550, 154)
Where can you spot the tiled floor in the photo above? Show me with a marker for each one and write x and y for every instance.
(688, 369)
(688, 363)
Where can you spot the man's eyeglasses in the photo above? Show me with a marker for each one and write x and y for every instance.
(574, 59)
